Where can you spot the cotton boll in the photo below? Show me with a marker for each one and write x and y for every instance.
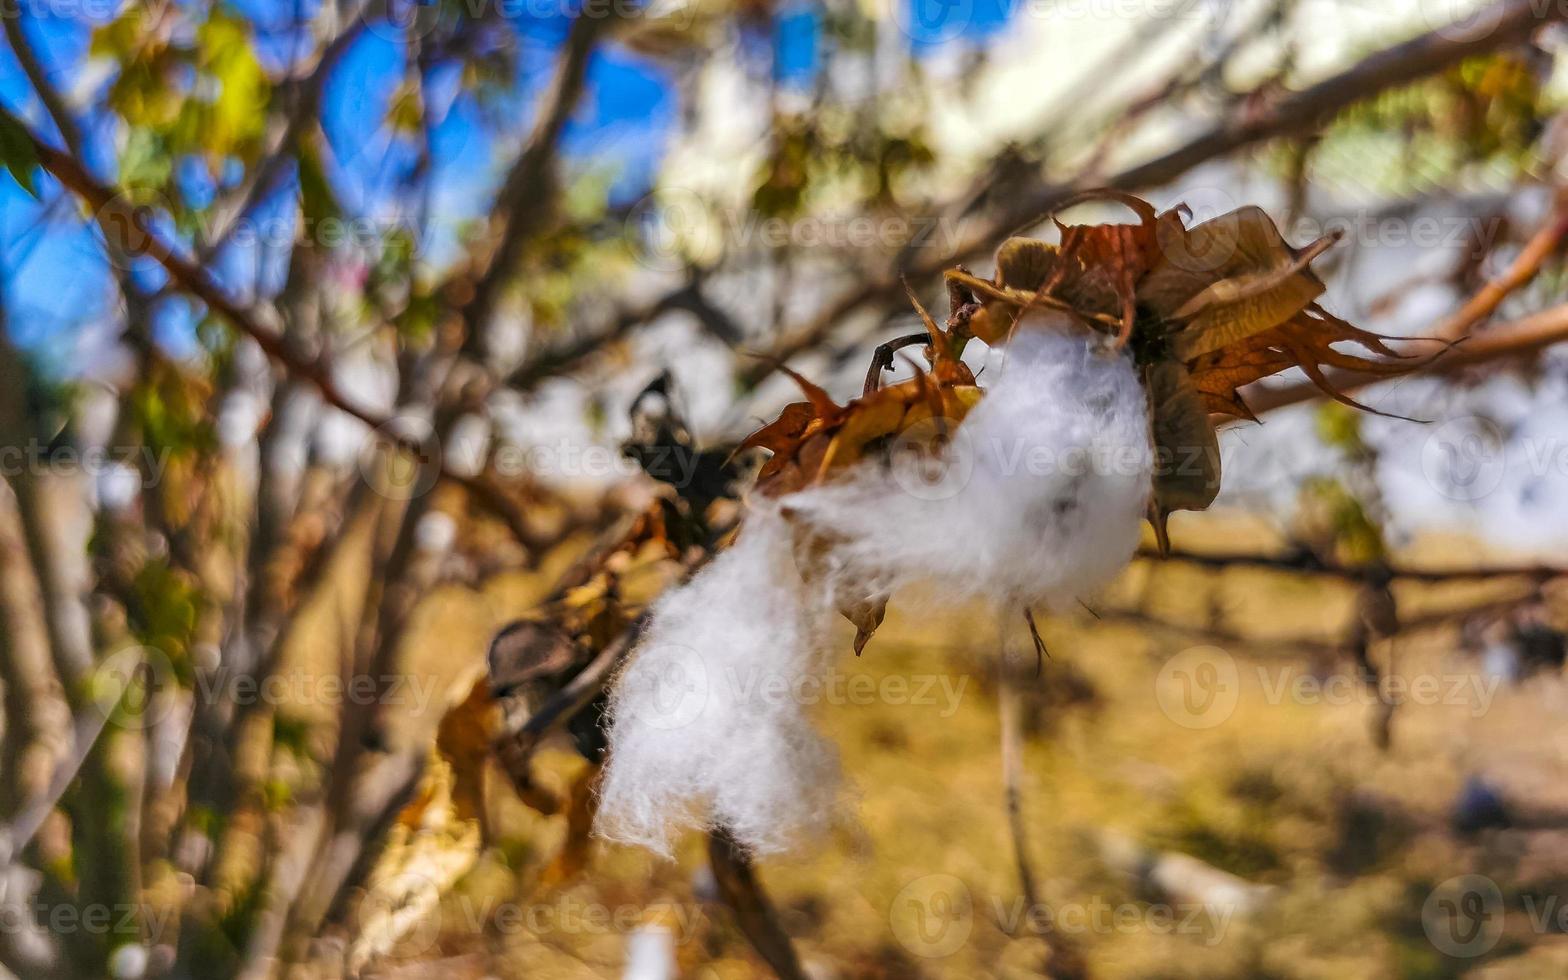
(1038, 497)
(707, 726)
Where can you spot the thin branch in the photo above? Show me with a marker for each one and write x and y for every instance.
(54, 104)
(1517, 338)
(1305, 562)
(552, 361)
(68, 632)
(1262, 116)
(135, 225)
(15, 836)
(303, 93)
(521, 208)
(754, 913)
(1521, 271)
(1060, 961)
(1320, 644)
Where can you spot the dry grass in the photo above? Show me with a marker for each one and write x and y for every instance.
(1347, 841)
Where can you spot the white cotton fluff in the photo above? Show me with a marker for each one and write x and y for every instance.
(706, 728)
(1036, 499)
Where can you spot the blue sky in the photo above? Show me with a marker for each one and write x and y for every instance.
(58, 279)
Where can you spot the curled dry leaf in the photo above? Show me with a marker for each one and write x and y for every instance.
(814, 439)
(1204, 311)
(439, 833)
(437, 836)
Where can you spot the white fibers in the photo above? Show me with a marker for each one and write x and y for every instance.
(707, 727)
(1037, 497)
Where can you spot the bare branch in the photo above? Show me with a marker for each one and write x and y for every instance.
(302, 95)
(1518, 338)
(555, 360)
(1262, 116)
(54, 104)
(1305, 562)
(136, 224)
(1061, 961)
(754, 913)
(523, 206)
(1520, 272)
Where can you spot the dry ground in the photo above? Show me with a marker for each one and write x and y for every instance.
(1317, 854)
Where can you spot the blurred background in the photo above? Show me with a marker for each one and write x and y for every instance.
(366, 368)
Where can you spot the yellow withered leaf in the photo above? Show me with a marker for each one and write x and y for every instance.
(1241, 242)
(463, 738)
(836, 437)
(1187, 453)
(437, 836)
(1205, 311)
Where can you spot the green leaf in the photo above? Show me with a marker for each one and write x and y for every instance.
(316, 198)
(18, 154)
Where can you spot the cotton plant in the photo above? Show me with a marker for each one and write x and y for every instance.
(1116, 352)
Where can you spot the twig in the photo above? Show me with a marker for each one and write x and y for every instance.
(1522, 336)
(1517, 338)
(1524, 268)
(553, 360)
(1060, 961)
(136, 225)
(754, 913)
(305, 92)
(1261, 118)
(1305, 562)
(59, 112)
(521, 207)
(15, 836)
(1319, 644)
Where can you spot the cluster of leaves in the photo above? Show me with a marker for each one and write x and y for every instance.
(1490, 109)
(440, 833)
(808, 152)
(200, 95)
(1205, 311)
(810, 440)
